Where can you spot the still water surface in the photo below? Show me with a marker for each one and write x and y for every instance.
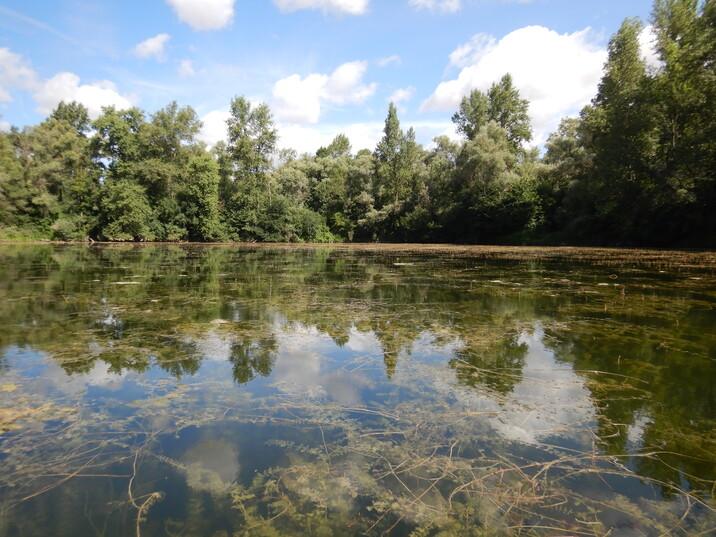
(229, 391)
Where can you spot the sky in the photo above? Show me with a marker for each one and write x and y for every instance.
(323, 66)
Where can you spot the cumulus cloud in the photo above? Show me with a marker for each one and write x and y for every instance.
(444, 6)
(15, 73)
(154, 47)
(349, 7)
(558, 73)
(213, 128)
(472, 51)
(67, 87)
(186, 69)
(362, 135)
(401, 95)
(307, 139)
(204, 14)
(299, 99)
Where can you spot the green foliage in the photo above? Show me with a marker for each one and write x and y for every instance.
(483, 348)
(74, 114)
(503, 105)
(126, 213)
(636, 167)
(71, 228)
(200, 199)
(339, 147)
(252, 139)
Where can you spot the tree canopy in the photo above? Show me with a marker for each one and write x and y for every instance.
(637, 166)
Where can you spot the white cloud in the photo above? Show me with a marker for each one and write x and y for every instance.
(307, 139)
(154, 47)
(213, 128)
(363, 135)
(66, 87)
(388, 60)
(186, 69)
(15, 73)
(444, 6)
(401, 95)
(648, 44)
(364, 342)
(349, 7)
(472, 51)
(4, 126)
(551, 398)
(204, 14)
(299, 100)
(557, 73)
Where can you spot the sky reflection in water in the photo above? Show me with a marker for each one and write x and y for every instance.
(334, 391)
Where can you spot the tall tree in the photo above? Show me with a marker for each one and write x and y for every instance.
(621, 126)
(487, 171)
(685, 90)
(387, 159)
(200, 199)
(252, 142)
(502, 104)
(252, 138)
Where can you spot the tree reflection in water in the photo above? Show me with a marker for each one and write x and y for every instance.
(379, 390)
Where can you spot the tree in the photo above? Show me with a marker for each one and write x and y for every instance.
(125, 212)
(339, 147)
(252, 141)
(398, 161)
(503, 105)
(359, 201)
(116, 139)
(200, 199)
(565, 188)
(620, 125)
(170, 130)
(252, 138)
(74, 114)
(13, 194)
(685, 97)
(473, 114)
(636, 167)
(487, 172)
(387, 160)
(441, 166)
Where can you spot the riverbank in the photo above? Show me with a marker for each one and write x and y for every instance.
(595, 255)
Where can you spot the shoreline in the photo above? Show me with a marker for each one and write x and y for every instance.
(687, 258)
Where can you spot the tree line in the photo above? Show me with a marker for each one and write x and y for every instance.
(638, 166)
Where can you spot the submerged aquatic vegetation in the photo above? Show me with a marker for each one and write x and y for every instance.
(266, 391)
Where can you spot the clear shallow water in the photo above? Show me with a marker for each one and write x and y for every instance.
(221, 391)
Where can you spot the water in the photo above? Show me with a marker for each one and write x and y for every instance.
(225, 391)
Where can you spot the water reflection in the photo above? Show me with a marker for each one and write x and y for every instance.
(280, 390)
(549, 401)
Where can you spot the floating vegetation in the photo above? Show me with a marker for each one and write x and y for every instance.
(323, 392)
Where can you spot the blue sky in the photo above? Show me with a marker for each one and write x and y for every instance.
(324, 66)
